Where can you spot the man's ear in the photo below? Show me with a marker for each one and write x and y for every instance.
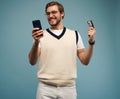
(62, 14)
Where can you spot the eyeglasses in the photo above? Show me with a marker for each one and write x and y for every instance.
(52, 12)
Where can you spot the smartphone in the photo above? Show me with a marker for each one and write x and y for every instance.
(37, 24)
(90, 23)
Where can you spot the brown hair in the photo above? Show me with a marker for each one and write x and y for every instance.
(52, 3)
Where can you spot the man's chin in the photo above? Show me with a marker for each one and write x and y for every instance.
(52, 24)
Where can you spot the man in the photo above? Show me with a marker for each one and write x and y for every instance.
(57, 49)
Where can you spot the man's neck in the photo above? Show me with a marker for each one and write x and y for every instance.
(59, 27)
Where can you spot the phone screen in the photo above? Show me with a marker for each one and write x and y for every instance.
(37, 24)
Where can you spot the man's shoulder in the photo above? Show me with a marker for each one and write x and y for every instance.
(69, 29)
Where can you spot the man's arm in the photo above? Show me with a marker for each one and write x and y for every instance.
(35, 50)
(85, 55)
(34, 53)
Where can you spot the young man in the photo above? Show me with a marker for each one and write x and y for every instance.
(58, 49)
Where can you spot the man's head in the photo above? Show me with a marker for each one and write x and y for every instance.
(55, 3)
(55, 13)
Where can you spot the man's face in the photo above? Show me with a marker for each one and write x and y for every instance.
(53, 15)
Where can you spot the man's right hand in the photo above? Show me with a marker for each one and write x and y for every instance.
(37, 34)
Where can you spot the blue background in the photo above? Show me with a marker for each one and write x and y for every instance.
(99, 80)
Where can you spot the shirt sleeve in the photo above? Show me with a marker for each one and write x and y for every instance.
(80, 44)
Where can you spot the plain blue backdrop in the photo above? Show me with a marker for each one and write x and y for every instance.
(99, 80)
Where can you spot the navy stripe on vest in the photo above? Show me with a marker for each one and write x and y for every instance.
(58, 37)
(76, 36)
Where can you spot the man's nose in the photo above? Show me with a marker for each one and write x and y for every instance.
(51, 15)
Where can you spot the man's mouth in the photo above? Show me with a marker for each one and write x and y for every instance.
(52, 19)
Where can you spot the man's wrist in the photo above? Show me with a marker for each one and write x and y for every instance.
(36, 43)
(91, 42)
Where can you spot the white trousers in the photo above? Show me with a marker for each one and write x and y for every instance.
(51, 92)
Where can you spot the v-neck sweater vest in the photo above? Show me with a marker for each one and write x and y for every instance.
(58, 58)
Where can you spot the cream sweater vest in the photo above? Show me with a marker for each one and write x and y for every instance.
(58, 58)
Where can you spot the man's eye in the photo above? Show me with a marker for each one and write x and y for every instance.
(52, 12)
